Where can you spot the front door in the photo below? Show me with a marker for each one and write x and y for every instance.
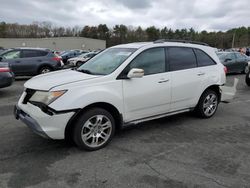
(150, 95)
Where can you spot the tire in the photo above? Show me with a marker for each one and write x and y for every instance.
(78, 63)
(246, 70)
(248, 78)
(98, 126)
(44, 70)
(208, 104)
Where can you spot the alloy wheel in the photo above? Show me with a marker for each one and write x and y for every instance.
(96, 131)
(210, 104)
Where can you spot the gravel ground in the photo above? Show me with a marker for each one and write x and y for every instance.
(178, 151)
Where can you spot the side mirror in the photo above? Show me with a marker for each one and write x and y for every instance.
(135, 73)
(226, 60)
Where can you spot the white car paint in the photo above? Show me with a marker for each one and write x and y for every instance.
(82, 58)
(135, 99)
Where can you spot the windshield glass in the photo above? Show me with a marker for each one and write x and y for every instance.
(108, 61)
(83, 54)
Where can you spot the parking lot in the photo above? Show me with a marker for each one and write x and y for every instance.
(179, 151)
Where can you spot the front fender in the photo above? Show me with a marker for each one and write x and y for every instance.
(79, 98)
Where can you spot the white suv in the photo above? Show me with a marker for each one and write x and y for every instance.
(125, 84)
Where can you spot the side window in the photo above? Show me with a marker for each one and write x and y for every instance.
(12, 55)
(152, 61)
(29, 53)
(203, 59)
(230, 56)
(181, 58)
(41, 53)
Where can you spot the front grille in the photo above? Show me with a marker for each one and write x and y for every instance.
(29, 94)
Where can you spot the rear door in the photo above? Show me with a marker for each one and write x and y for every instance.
(186, 77)
(31, 60)
(230, 62)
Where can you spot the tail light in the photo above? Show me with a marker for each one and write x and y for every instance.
(56, 58)
(4, 69)
(225, 70)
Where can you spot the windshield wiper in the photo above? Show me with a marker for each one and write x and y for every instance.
(84, 71)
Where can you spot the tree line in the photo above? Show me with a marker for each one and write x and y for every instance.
(120, 34)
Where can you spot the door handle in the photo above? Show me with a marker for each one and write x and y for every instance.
(201, 73)
(163, 81)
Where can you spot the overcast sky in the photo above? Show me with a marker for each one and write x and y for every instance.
(199, 14)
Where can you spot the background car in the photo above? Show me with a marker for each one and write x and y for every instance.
(234, 61)
(81, 59)
(31, 61)
(6, 75)
(69, 54)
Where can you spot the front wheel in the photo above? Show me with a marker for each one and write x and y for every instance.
(207, 104)
(79, 63)
(94, 129)
(248, 78)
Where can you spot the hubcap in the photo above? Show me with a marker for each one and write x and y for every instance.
(210, 104)
(96, 131)
(246, 69)
(45, 71)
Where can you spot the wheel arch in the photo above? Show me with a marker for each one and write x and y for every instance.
(44, 65)
(106, 106)
(215, 88)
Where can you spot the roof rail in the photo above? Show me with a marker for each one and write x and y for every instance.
(178, 40)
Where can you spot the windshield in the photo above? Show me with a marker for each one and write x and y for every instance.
(107, 61)
(84, 55)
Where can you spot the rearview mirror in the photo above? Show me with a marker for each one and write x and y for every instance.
(136, 73)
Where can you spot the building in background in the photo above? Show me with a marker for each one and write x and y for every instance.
(55, 44)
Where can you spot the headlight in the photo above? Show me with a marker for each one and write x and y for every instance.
(46, 97)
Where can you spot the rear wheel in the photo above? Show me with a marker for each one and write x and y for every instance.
(45, 69)
(94, 129)
(246, 70)
(207, 104)
(248, 78)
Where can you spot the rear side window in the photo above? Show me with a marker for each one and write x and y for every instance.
(181, 58)
(33, 53)
(203, 59)
(152, 61)
(42, 53)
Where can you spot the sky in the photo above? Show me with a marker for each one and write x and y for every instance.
(210, 15)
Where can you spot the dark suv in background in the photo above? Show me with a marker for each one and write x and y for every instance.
(31, 61)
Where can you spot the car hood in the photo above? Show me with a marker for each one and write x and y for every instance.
(50, 80)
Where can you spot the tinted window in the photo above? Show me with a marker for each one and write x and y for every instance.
(33, 53)
(152, 61)
(42, 53)
(181, 58)
(12, 55)
(203, 59)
